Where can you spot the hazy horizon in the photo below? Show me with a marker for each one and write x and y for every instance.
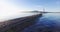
(13, 7)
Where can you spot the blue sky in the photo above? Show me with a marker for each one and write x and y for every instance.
(25, 5)
(49, 5)
(11, 8)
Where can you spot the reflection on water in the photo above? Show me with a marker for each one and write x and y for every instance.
(48, 23)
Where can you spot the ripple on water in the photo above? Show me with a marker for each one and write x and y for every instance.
(48, 23)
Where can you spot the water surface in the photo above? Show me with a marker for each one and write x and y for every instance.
(49, 22)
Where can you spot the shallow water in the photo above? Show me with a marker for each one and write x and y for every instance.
(49, 22)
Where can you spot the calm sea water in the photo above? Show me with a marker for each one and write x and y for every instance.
(49, 22)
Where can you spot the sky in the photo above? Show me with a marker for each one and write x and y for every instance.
(13, 7)
(49, 5)
(29, 5)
